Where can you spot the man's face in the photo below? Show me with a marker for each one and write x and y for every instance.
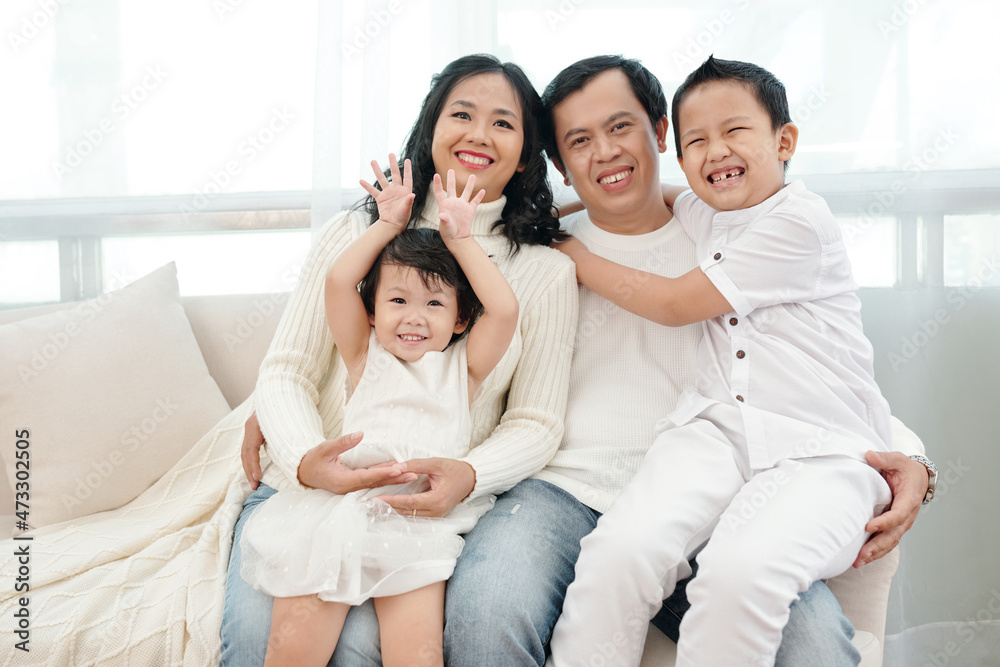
(609, 150)
(732, 157)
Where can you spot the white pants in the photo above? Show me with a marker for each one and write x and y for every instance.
(776, 531)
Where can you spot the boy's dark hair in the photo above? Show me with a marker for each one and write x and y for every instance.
(425, 251)
(766, 87)
(527, 216)
(646, 87)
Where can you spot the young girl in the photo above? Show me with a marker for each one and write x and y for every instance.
(412, 372)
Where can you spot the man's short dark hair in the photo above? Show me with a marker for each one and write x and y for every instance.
(646, 87)
(766, 87)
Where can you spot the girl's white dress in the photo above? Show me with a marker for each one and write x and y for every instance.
(353, 547)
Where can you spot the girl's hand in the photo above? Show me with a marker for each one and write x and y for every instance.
(396, 197)
(456, 213)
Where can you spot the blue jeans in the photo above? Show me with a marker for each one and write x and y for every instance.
(507, 591)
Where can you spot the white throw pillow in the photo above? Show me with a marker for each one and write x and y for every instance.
(104, 396)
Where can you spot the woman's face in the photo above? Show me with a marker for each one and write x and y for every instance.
(480, 132)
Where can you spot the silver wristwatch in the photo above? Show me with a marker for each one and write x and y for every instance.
(932, 476)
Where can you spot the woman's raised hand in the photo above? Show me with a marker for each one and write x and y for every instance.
(455, 212)
(396, 197)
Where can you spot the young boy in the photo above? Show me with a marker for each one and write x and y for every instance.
(766, 452)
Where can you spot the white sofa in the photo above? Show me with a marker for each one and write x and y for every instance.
(233, 333)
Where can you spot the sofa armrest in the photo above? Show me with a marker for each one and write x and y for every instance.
(863, 593)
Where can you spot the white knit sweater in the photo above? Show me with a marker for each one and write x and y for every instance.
(518, 413)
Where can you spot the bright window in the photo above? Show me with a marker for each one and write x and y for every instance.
(29, 272)
(227, 263)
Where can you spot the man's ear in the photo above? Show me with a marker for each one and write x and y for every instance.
(561, 169)
(788, 139)
(661, 134)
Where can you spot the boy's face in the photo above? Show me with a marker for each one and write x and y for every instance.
(732, 158)
(609, 149)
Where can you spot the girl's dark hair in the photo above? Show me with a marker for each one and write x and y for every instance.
(425, 251)
(527, 216)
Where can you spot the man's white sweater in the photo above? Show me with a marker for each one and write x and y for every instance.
(627, 372)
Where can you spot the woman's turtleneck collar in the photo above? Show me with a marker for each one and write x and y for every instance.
(487, 213)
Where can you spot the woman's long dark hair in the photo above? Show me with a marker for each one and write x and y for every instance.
(527, 216)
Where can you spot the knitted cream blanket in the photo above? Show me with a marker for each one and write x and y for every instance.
(139, 585)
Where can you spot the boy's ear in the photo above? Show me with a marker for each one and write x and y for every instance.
(460, 326)
(371, 319)
(661, 134)
(561, 169)
(788, 139)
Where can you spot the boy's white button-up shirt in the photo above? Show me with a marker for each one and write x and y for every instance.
(791, 355)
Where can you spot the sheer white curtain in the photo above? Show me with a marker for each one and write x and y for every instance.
(896, 104)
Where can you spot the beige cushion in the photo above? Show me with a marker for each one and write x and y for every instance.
(112, 392)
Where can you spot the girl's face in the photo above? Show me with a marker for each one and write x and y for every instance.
(410, 317)
(480, 131)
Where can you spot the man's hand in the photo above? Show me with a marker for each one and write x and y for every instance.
(908, 481)
(451, 481)
(321, 468)
(253, 440)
